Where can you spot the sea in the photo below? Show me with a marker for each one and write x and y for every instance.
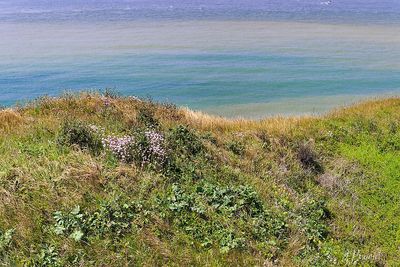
(234, 58)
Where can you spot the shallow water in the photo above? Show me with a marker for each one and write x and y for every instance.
(231, 60)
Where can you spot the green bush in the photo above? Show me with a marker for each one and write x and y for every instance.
(389, 143)
(81, 134)
(236, 147)
(308, 157)
(146, 116)
(184, 141)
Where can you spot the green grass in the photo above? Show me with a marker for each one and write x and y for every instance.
(379, 195)
(206, 191)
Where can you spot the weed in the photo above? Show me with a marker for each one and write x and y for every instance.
(112, 217)
(238, 205)
(184, 141)
(5, 240)
(47, 257)
(74, 132)
(313, 216)
(308, 157)
(146, 116)
(236, 147)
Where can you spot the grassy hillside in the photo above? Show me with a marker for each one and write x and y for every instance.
(100, 180)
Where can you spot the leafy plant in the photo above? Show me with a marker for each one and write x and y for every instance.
(5, 240)
(244, 203)
(197, 212)
(47, 257)
(112, 217)
(313, 216)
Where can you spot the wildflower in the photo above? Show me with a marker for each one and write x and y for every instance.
(96, 129)
(152, 149)
(156, 141)
(119, 146)
(106, 101)
(149, 150)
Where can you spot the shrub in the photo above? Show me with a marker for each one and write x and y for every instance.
(243, 202)
(265, 140)
(232, 200)
(208, 136)
(236, 147)
(146, 117)
(83, 135)
(313, 216)
(393, 127)
(308, 157)
(184, 141)
(184, 148)
(389, 143)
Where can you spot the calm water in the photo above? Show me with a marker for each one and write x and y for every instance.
(233, 58)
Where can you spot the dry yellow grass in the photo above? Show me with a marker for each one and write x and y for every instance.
(10, 118)
(274, 124)
(284, 125)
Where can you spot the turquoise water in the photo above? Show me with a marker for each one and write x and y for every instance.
(227, 59)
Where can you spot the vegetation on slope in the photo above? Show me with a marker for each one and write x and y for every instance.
(101, 180)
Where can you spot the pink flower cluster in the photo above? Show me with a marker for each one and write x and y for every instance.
(152, 151)
(156, 148)
(106, 101)
(119, 146)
